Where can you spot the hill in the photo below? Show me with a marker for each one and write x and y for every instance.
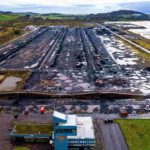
(121, 15)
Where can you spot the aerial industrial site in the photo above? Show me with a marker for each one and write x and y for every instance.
(70, 60)
(76, 87)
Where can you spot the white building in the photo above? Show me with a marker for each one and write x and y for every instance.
(72, 130)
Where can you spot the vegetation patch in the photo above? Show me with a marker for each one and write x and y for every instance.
(33, 129)
(143, 43)
(141, 54)
(1, 78)
(21, 148)
(9, 33)
(136, 133)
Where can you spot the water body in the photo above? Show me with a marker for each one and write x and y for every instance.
(9, 84)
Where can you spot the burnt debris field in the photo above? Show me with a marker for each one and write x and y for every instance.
(74, 70)
(69, 60)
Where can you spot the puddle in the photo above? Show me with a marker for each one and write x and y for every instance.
(9, 84)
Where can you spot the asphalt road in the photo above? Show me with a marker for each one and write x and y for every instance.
(111, 136)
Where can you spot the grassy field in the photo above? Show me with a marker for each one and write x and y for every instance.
(143, 43)
(4, 17)
(21, 148)
(33, 129)
(136, 133)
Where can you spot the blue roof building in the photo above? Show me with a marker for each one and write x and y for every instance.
(72, 130)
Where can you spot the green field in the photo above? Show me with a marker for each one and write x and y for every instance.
(33, 129)
(54, 16)
(136, 133)
(21, 148)
(4, 17)
(143, 43)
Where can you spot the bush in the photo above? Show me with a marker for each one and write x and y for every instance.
(17, 32)
(21, 148)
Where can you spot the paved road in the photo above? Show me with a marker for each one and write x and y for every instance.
(115, 116)
(111, 135)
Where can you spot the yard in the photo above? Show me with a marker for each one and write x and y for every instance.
(136, 133)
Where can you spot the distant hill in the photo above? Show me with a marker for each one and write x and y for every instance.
(121, 15)
(6, 12)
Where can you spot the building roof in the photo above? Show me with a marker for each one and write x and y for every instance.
(71, 121)
(85, 129)
(59, 115)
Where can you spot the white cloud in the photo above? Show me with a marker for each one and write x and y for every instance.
(64, 2)
(105, 1)
(65, 6)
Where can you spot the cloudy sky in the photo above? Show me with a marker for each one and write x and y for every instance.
(73, 6)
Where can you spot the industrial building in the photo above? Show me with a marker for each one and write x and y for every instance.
(65, 131)
(73, 131)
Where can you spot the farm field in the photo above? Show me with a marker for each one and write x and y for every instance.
(4, 17)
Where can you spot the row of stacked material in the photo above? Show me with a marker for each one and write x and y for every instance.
(102, 56)
(10, 49)
(70, 51)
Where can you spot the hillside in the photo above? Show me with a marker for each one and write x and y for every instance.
(5, 17)
(120, 15)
